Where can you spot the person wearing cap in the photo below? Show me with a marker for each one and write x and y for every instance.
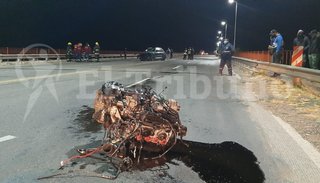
(96, 51)
(226, 51)
(302, 40)
(69, 52)
(314, 50)
(277, 46)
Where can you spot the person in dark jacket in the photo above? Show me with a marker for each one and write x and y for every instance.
(314, 50)
(86, 52)
(77, 52)
(189, 53)
(69, 52)
(168, 52)
(270, 47)
(192, 53)
(96, 51)
(226, 50)
(302, 40)
(185, 54)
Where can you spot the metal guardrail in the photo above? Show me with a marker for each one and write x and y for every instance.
(46, 57)
(305, 73)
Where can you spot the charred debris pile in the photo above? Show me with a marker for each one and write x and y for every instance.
(139, 125)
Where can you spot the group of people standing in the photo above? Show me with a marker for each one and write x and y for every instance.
(79, 52)
(188, 53)
(310, 44)
(311, 48)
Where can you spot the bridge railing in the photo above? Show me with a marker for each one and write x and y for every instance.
(46, 57)
(34, 54)
(265, 56)
(12, 50)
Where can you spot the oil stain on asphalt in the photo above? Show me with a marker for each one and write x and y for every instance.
(225, 162)
(83, 122)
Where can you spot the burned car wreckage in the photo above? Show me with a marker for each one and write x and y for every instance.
(138, 123)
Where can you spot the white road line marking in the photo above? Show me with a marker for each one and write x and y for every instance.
(42, 77)
(138, 82)
(6, 138)
(176, 67)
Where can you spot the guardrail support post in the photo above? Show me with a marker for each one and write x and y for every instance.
(297, 82)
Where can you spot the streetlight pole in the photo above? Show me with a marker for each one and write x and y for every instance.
(235, 21)
(235, 25)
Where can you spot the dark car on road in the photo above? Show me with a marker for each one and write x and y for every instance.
(151, 53)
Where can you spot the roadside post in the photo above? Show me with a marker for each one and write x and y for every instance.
(297, 61)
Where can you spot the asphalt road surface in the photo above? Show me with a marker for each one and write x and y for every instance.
(46, 110)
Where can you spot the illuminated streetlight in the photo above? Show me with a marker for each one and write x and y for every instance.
(219, 32)
(231, 1)
(224, 23)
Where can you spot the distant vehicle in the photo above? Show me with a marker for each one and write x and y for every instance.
(151, 53)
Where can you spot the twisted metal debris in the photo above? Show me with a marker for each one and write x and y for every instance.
(137, 121)
(139, 124)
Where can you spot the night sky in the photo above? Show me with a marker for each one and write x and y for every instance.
(137, 24)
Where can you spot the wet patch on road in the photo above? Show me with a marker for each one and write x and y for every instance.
(83, 122)
(225, 162)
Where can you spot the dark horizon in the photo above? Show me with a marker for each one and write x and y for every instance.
(135, 25)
